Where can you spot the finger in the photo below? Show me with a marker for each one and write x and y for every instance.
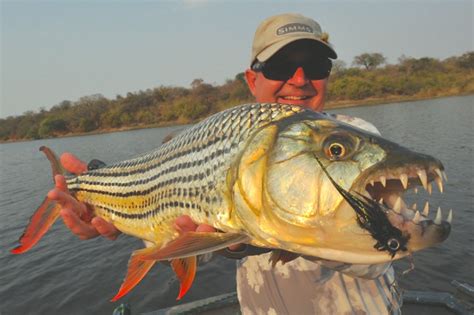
(72, 164)
(61, 183)
(66, 201)
(105, 228)
(185, 224)
(209, 228)
(78, 227)
(205, 228)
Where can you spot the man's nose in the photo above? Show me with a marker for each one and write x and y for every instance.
(299, 78)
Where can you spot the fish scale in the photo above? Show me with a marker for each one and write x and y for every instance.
(135, 193)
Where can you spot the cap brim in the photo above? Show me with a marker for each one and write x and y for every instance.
(265, 54)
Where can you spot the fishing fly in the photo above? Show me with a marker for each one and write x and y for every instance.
(371, 217)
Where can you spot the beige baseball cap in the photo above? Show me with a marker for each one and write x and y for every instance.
(278, 31)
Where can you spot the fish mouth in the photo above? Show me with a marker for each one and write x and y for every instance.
(387, 187)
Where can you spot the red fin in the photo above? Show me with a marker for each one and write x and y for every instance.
(195, 243)
(137, 269)
(46, 213)
(56, 167)
(185, 269)
(186, 245)
(39, 224)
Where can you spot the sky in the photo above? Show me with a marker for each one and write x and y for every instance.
(62, 50)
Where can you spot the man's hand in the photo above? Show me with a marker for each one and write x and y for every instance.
(75, 214)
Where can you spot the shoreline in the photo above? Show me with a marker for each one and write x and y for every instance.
(387, 100)
(330, 105)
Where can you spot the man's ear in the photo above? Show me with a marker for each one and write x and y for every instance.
(250, 77)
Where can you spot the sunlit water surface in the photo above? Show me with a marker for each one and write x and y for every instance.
(63, 275)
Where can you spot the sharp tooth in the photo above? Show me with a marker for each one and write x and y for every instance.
(438, 218)
(444, 175)
(383, 180)
(429, 188)
(449, 219)
(426, 209)
(417, 217)
(381, 201)
(415, 190)
(404, 180)
(372, 182)
(423, 179)
(439, 182)
(438, 172)
(397, 207)
(413, 206)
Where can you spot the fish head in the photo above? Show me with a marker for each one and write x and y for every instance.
(320, 187)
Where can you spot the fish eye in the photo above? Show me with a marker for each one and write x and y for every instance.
(336, 150)
(338, 146)
(393, 244)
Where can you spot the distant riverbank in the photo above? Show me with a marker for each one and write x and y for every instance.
(388, 100)
(330, 105)
(411, 79)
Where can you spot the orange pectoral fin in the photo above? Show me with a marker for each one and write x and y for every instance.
(39, 224)
(186, 246)
(185, 269)
(137, 269)
(195, 243)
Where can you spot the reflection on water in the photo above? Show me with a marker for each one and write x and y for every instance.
(65, 275)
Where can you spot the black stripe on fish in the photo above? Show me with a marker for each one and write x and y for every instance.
(134, 191)
(150, 213)
(371, 217)
(109, 171)
(145, 180)
(229, 127)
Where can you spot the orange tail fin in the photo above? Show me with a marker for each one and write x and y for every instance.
(137, 269)
(44, 216)
(185, 269)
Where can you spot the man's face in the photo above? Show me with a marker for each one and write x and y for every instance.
(298, 89)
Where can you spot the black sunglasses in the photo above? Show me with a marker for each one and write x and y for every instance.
(314, 69)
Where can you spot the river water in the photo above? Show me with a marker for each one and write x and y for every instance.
(63, 275)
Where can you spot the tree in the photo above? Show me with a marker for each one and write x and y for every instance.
(413, 65)
(196, 83)
(51, 126)
(369, 60)
(240, 77)
(338, 66)
(466, 61)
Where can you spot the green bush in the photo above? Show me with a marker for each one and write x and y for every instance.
(51, 127)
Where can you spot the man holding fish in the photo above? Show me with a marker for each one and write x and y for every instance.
(290, 63)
